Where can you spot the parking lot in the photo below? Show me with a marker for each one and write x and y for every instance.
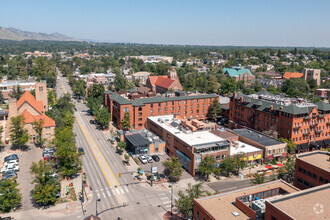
(24, 177)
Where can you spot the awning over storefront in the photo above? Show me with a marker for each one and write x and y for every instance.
(270, 157)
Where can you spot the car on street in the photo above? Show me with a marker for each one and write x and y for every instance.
(156, 158)
(12, 157)
(149, 159)
(81, 151)
(143, 159)
(9, 168)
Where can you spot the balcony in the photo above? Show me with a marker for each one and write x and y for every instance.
(296, 128)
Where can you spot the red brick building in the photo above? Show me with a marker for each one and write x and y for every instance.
(190, 141)
(141, 106)
(307, 124)
(312, 169)
(323, 94)
(161, 84)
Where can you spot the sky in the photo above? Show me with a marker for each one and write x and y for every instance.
(197, 22)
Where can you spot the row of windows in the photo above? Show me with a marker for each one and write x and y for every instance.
(33, 137)
(297, 124)
(312, 175)
(280, 150)
(304, 182)
(311, 137)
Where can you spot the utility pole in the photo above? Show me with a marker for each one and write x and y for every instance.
(98, 200)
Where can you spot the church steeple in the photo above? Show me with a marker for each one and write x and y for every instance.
(172, 73)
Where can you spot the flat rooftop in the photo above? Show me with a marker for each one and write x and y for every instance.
(242, 147)
(189, 137)
(221, 206)
(308, 204)
(224, 134)
(256, 137)
(318, 159)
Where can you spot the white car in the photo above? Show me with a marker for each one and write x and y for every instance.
(143, 159)
(10, 163)
(10, 168)
(149, 158)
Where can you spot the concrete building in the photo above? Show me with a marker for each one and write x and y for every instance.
(271, 147)
(312, 169)
(188, 140)
(151, 58)
(310, 74)
(141, 106)
(246, 203)
(6, 87)
(238, 74)
(33, 109)
(143, 142)
(141, 76)
(307, 124)
(38, 54)
(162, 84)
(323, 94)
(269, 74)
(303, 205)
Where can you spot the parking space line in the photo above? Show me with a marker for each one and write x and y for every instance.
(162, 194)
(164, 198)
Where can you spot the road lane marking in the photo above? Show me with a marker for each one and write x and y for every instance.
(163, 194)
(98, 182)
(126, 190)
(96, 190)
(98, 195)
(125, 179)
(163, 198)
(167, 202)
(108, 193)
(115, 165)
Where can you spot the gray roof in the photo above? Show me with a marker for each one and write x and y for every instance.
(137, 140)
(142, 101)
(256, 137)
(323, 106)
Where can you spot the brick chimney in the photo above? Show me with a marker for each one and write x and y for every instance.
(271, 108)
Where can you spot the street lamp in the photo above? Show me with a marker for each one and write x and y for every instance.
(98, 200)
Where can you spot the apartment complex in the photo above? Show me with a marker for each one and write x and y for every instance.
(312, 169)
(7, 86)
(188, 140)
(33, 109)
(306, 204)
(141, 106)
(307, 124)
(246, 203)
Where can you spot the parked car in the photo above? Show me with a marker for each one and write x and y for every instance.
(10, 162)
(10, 168)
(12, 157)
(143, 159)
(92, 121)
(149, 159)
(58, 194)
(9, 175)
(81, 151)
(156, 158)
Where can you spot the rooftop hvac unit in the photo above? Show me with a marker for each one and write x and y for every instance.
(160, 120)
(149, 134)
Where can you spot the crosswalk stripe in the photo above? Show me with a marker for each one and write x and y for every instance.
(122, 190)
(98, 195)
(163, 194)
(163, 198)
(126, 190)
(103, 194)
(108, 193)
(167, 202)
(168, 206)
(118, 191)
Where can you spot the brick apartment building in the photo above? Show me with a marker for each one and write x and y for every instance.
(306, 204)
(323, 94)
(190, 141)
(141, 106)
(33, 109)
(312, 169)
(6, 87)
(307, 124)
(246, 203)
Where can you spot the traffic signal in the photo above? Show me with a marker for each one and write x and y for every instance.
(119, 174)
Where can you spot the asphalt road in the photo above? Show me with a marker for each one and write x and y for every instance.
(102, 166)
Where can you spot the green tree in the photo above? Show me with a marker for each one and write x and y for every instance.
(1, 131)
(126, 121)
(239, 162)
(121, 145)
(228, 86)
(10, 197)
(120, 82)
(273, 89)
(51, 97)
(79, 88)
(103, 117)
(2, 99)
(38, 126)
(291, 146)
(185, 201)
(312, 84)
(16, 92)
(227, 165)
(214, 110)
(207, 167)
(287, 174)
(18, 134)
(257, 179)
(173, 169)
(46, 187)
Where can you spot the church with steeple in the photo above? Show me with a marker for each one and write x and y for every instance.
(162, 84)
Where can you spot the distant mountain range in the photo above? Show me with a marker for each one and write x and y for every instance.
(15, 34)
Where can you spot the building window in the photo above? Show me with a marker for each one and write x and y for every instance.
(192, 101)
(172, 108)
(125, 109)
(41, 89)
(185, 107)
(165, 108)
(140, 109)
(172, 103)
(198, 106)
(151, 111)
(185, 102)
(178, 107)
(191, 107)
(197, 215)
(165, 103)
(151, 105)
(178, 112)
(191, 112)
(159, 104)
(179, 102)
(159, 110)
(217, 157)
(223, 156)
(185, 112)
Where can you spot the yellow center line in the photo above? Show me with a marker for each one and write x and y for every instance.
(84, 131)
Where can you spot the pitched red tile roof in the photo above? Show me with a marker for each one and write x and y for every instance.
(29, 98)
(29, 118)
(289, 75)
(161, 81)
